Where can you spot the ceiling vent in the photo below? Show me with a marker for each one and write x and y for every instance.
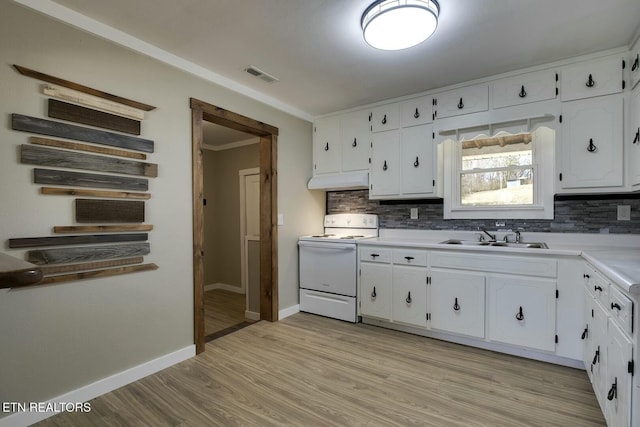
(257, 72)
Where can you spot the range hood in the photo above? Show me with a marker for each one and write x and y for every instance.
(340, 181)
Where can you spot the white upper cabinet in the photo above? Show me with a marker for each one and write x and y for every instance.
(632, 140)
(634, 65)
(592, 78)
(416, 111)
(417, 160)
(384, 175)
(525, 88)
(385, 117)
(591, 146)
(355, 141)
(465, 100)
(327, 153)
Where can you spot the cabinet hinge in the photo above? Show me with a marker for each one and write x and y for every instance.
(556, 339)
(433, 101)
(631, 367)
(557, 91)
(433, 135)
(560, 118)
(623, 85)
(435, 113)
(557, 293)
(434, 182)
(592, 313)
(370, 116)
(556, 76)
(428, 316)
(624, 64)
(433, 116)
(561, 176)
(369, 160)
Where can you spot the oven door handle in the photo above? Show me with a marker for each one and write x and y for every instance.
(346, 247)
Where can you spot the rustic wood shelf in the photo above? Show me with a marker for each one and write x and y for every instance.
(15, 272)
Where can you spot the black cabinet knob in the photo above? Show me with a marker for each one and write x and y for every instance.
(522, 93)
(456, 306)
(520, 314)
(460, 104)
(590, 81)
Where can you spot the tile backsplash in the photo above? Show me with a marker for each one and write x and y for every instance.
(586, 214)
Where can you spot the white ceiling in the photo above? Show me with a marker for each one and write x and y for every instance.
(316, 49)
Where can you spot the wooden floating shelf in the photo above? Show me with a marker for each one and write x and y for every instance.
(86, 147)
(44, 156)
(32, 242)
(88, 116)
(92, 102)
(81, 88)
(68, 268)
(80, 179)
(93, 193)
(86, 253)
(95, 274)
(102, 228)
(91, 210)
(79, 133)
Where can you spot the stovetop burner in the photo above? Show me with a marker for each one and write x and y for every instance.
(322, 236)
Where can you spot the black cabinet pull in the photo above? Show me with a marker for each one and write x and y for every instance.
(637, 138)
(408, 258)
(456, 306)
(460, 104)
(586, 276)
(374, 256)
(635, 63)
(408, 299)
(585, 333)
(416, 114)
(596, 356)
(354, 143)
(615, 305)
(613, 391)
(384, 167)
(590, 81)
(416, 163)
(326, 147)
(384, 120)
(522, 93)
(597, 288)
(520, 314)
(373, 294)
(591, 147)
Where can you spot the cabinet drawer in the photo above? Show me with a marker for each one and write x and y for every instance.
(598, 286)
(523, 89)
(373, 254)
(417, 111)
(409, 257)
(593, 78)
(385, 117)
(528, 266)
(466, 100)
(621, 309)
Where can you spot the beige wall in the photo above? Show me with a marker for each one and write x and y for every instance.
(61, 337)
(222, 212)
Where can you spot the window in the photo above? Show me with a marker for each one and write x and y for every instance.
(507, 175)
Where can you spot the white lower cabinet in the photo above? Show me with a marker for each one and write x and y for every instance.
(618, 379)
(458, 302)
(375, 290)
(522, 311)
(409, 295)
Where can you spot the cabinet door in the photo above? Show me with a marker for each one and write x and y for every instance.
(619, 381)
(469, 99)
(416, 111)
(355, 140)
(385, 117)
(385, 164)
(531, 87)
(410, 295)
(457, 302)
(591, 143)
(588, 348)
(375, 290)
(417, 160)
(592, 78)
(598, 357)
(633, 139)
(522, 311)
(326, 145)
(635, 66)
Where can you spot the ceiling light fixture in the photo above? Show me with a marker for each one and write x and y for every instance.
(399, 24)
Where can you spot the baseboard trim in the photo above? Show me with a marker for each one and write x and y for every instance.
(289, 311)
(103, 386)
(251, 315)
(224, 287)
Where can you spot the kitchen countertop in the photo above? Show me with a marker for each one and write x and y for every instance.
(616, 256)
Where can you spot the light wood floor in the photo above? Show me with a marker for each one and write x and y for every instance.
(222, 309)
(311, 371)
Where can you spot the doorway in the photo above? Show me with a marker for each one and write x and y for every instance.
(268, 255)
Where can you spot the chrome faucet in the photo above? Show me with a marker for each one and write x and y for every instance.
(492, 237)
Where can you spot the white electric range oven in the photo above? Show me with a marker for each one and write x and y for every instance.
(328, 265)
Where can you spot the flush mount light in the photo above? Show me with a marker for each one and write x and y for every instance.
(399, 24)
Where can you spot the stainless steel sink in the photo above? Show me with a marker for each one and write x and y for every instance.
(532, 245)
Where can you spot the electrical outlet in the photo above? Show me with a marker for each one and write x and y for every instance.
(624, 212)
(280, 219)
(500, 223)
(414, 213)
